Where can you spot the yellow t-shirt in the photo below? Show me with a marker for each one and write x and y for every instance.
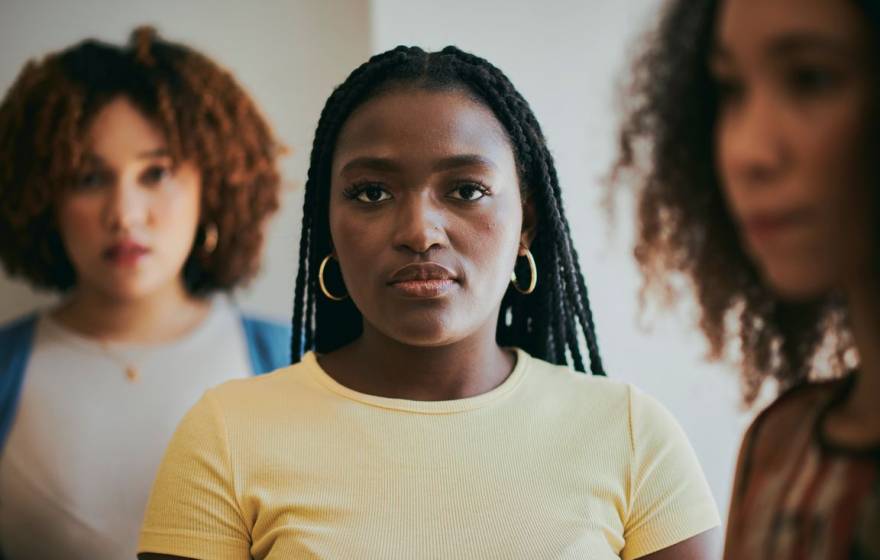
(550, 464)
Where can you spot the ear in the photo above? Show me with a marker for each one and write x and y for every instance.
(529, 221)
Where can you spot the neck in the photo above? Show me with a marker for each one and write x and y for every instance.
(161, 316)
(863, 300)
(378, 365)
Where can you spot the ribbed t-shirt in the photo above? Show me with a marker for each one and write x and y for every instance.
(550, 464)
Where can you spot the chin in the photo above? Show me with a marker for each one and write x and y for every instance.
(130, 291)
(799, 285)
(424, 338)
(425, 332)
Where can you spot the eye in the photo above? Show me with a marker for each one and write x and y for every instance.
(469, 192)
(92, 179)
(810, 80)
(369, 193)
(155, 174)
(730, 90)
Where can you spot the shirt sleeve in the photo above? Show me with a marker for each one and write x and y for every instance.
(669, 498)
(193, 510)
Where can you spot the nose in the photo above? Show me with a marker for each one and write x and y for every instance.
(419, 225)
(751, 141)
(126, 207)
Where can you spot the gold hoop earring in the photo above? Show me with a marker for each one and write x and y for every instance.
(212, 238)
(323, 286)
(533, 269)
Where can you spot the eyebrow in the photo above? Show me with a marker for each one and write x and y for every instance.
(149, 154)
(371, 163)
(157, 153)
(445, 164)
(464, 160)
(790, 44)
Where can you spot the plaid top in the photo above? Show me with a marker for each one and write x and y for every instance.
(798, 495)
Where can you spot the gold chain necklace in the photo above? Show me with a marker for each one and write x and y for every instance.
(132, 372)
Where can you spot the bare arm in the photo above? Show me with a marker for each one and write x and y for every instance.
(705, 546)
(152, 556)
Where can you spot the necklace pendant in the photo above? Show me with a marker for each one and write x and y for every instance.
(132, 374)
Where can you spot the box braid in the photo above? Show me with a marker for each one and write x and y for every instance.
(548, 323)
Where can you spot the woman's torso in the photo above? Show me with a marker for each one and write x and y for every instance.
(77, 467)
(551, 464)
(800, 496)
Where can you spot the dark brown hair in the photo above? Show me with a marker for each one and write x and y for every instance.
(205, 116)
(667, 146)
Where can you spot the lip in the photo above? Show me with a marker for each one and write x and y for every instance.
(423, 280)
(125, 253)
(766, 225)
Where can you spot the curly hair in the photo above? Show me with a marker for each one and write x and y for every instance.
(552, 322)
(205, 116)
(667, 148)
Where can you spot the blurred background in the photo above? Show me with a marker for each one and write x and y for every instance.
(567, 57)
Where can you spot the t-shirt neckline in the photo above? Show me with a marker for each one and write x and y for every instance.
(220, 306)
(422, 407)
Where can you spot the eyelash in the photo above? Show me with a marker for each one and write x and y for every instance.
(356, 190)
(479, 187)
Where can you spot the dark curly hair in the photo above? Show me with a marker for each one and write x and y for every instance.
(552, 322)
(206, 117)
(667, 149)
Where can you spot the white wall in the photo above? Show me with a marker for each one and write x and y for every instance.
(288, 54)
(566, 58)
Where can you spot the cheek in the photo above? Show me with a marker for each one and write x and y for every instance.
(836, 160)
(357, 242)
(492, 241)
(79, 224)
(724, 163)
(176, 213)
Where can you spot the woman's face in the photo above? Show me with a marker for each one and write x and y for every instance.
(796, 137)
(129, 220)
(425, 214)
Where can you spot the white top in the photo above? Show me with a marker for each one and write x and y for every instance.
(77, 468)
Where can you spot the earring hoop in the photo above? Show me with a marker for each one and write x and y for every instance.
(533, 269)
(321, 283)
(212, 238)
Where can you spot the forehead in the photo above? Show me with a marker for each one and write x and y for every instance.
(412, 124)
(757, 23)
(119, 126)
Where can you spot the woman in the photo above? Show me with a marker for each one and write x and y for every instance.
(424, 422)
(136, 182)
(761, 118)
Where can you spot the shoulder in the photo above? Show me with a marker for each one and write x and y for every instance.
(251, 394)
(564, 384)
(265, 325)
(261, 328)
(18, 327)
(597, 402)
(16, 338)
(607, 404)
(268, 342)
(773, 430)
(791, 408)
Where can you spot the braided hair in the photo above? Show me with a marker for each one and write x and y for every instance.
(548, 323)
